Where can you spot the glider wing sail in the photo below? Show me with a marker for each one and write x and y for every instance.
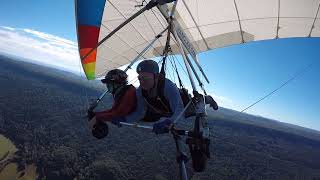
(208, 24)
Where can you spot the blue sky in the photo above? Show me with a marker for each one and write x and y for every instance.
(239, 74)
(52, 17)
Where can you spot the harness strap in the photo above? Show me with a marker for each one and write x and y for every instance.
(166, 51)
(118, 95)
(158, 110)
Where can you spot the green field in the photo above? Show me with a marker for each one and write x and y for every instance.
(8, 170)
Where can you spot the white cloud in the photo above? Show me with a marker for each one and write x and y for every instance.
(8, 28)
(51, 38)
(41, 47)
(222, 99)
(46, 49)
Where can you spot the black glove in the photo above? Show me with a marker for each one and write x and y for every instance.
(212, 102)
(90, 114)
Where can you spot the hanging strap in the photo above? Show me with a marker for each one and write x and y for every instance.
(162, 75)
(166, 51)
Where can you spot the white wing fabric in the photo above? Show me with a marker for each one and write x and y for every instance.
(209, 24)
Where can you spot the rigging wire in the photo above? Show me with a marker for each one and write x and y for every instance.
(168, 71)
(176, 59)
(297, 74)
(175, 71)
(172, 67)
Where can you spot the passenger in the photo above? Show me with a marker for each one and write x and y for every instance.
(124, 96)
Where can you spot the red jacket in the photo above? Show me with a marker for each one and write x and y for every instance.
(122, 106)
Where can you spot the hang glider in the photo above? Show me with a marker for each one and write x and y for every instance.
(208, 24)
(115, 33)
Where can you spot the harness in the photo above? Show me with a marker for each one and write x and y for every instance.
(157, 106)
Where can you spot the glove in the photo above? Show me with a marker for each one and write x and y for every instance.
(212, 102)
(162, 126)
(90, 114)
(116, 121)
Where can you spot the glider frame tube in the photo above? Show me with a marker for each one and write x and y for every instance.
(181, 158)
(187, 65)
(194, 71)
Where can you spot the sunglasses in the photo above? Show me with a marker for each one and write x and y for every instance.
(144, 78)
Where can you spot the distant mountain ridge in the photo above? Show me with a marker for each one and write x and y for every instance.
(235, 116)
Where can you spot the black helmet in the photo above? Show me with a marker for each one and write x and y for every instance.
(116, 76)
(148, 66)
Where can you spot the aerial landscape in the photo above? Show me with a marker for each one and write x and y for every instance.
(43, 116)
(160, 90)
